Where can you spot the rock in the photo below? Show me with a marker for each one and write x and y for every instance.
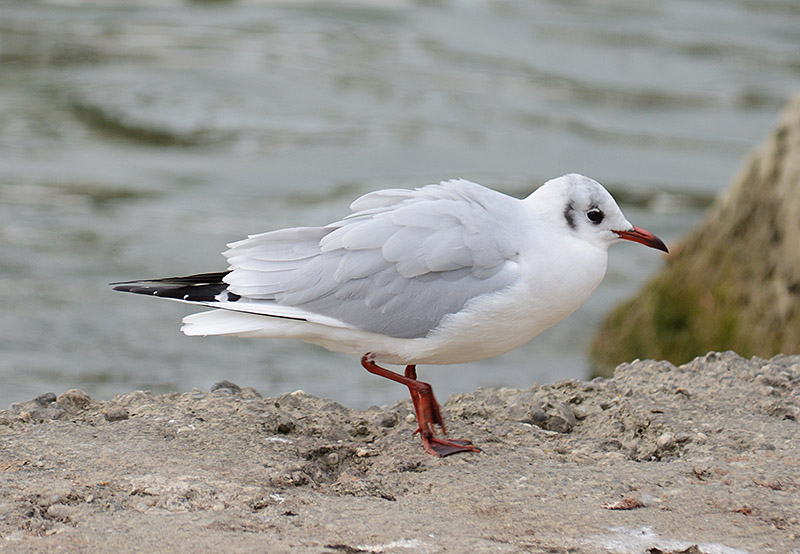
(563, 421)
(226, 387)
(74, 400)
(734, 283)
(115, 413)
(42, 408)
(388, 419)
(538, 417)
(665, 441)
(557, 417)
(45, 399)
(60, 512)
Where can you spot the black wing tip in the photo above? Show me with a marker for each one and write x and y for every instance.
(210, 278)
(202, 287)
(135, 288)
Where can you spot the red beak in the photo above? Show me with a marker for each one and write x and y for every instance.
(643, 237)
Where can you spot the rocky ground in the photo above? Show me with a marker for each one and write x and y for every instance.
(701, 458)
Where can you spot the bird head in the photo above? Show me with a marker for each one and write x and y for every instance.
(583, 207)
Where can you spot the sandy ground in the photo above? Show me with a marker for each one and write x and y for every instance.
(702, 458)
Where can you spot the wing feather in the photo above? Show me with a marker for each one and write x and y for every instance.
(397, 265)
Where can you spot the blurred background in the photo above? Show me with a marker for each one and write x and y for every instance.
(138, 138)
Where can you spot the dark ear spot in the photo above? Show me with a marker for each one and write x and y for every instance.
(569, 215)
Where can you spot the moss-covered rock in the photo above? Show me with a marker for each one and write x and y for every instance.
(733, 283)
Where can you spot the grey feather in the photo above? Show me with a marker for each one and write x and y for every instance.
(390, 266)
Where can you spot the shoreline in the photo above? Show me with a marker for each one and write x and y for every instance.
(657, 457)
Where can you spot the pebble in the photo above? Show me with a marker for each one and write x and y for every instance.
(517, 412)
(389, 419)
(285, 426)
(610, 445)
(60, 511)
(54, 411)
(115, 413)
(665, 441)
(226, 387)
(580, 412)
(563, 421)
(74, 400)
(45, 399)
(538, 417)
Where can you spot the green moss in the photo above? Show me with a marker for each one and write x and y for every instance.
(731, 284)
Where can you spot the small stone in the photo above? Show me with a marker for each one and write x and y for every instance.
(538, 417)
(285, 426)
(45, 399)
(665, 441)
(517, 412)
(336, 434)
(610, 445)
(361, 429)
(115, 413)
(411, 418)
(564, 421)
(54, 411)
(298, 479)
(226, 387)
(74, 400)
(701, 437)
(60, 512)
(579, 412)
(558, 424)
(389, 419)
(363, 452)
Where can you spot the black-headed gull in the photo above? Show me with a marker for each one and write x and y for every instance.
(442, 274)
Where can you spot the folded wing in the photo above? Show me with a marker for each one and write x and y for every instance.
(396, 266)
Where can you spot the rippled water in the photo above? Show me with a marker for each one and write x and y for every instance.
(136, 140)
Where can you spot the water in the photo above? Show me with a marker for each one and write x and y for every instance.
(136, 140)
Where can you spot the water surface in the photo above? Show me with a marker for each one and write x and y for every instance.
(136, 140)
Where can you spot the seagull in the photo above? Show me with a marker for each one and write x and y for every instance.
(446, 273)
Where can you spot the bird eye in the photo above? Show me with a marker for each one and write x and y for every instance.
(595, 215)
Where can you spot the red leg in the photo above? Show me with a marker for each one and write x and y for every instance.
(426, 408)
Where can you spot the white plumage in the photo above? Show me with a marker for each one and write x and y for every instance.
(446, 273)
(442, 274)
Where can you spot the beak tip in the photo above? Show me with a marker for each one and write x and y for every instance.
(643, 237)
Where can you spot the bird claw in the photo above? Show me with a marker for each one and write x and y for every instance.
(446, 447)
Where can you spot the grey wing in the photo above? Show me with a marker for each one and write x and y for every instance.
(397, 266)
